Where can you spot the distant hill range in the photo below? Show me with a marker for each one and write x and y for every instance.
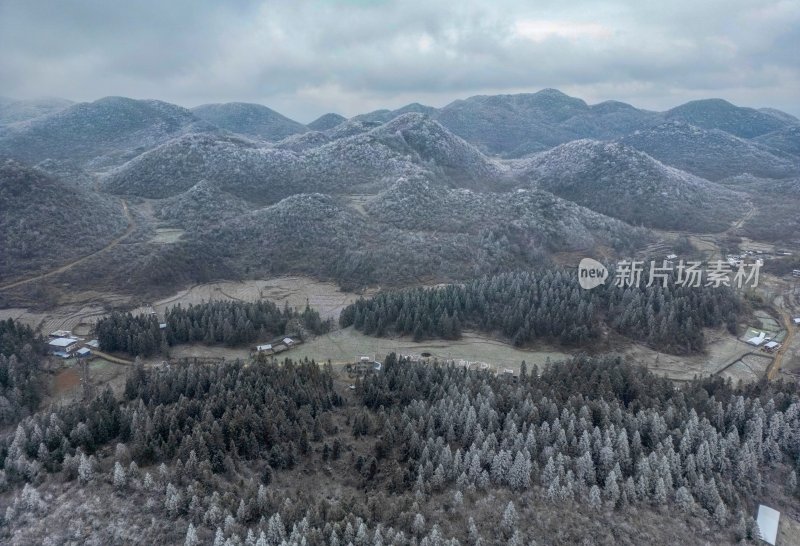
(483, 184)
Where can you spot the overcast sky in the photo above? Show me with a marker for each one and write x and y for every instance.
(351, 56)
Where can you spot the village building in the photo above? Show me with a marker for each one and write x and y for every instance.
(63, 345)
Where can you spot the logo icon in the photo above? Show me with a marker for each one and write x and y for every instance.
(591, 273)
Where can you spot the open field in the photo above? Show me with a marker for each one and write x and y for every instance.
(167, 235)
(325, 297)
(343, 346)
(65, 384)
(197, 350)
(722, 349)
(78, 318)
(751, 367)
(68, 317)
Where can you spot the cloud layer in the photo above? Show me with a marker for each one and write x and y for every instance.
(350, 56)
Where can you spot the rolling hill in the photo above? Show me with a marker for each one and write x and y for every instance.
(709, 153)
(720, 114)
(382, 116)
(100, 133)
(201, 205)
(326, 121)
(253, 120)
(515, 125)
(786, 140)
(46, 222)
(624, 183)
(365, 162)
(538, 219)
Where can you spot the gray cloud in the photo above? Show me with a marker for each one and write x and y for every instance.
(306, 58)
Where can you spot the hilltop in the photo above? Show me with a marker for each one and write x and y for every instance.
(721, 114)
(100, 133)
(253, 120)
(326, 121)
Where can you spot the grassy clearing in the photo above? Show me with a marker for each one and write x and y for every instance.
(749, 368)
(167, 235)
(721, 349)
(343, 346)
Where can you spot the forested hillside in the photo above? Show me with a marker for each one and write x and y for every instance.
(45, 221)
(712, 154)
(624, 183)
(549, 305)
(590, 450)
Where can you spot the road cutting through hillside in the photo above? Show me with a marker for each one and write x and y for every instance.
(70, 265)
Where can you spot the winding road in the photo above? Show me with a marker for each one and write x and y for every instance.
(70, 265)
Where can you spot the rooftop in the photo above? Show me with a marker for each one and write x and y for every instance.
(768, 519)
(62, 342)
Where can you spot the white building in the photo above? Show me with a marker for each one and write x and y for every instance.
(768, 520)
(63, 344)
(757, 340)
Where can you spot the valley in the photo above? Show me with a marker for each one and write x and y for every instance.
(171, 273)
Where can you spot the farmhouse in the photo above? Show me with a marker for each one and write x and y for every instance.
(63, 344)
(757, 340)
(796, 320)
(61, 333)
(771, 346)
(365, 365)
(288, 341)
(83, 352)
(264, 348)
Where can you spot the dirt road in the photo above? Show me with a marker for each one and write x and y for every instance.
(775, 368)
(70, 265)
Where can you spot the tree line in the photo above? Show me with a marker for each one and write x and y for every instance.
(21, 387)
(549, 305)
(232, 323)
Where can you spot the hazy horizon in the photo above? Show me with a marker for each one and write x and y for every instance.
(347, 56)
